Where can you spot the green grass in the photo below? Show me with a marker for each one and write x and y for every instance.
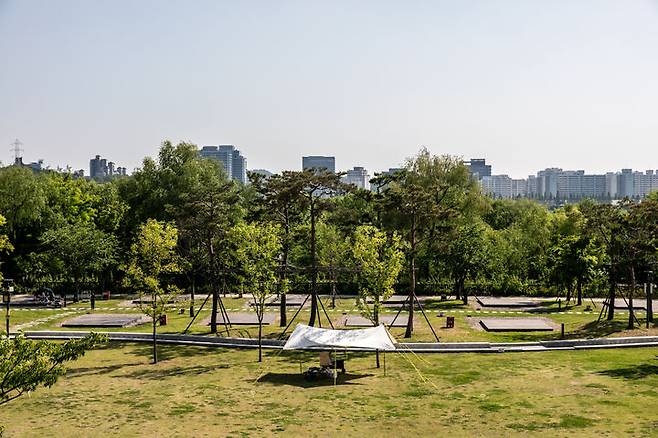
(213, 392)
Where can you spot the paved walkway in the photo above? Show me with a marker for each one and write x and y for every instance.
(418, 347)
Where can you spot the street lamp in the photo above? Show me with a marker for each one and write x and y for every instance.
(6, 298)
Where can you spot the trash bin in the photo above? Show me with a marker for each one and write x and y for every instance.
(163, 319)
(450, 322)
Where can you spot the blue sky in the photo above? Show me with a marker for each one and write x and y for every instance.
(526, 84)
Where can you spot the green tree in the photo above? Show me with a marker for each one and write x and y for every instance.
(333, 252)
(25, 364)
(207, 212)
(5, 244)
(425, 201)
(280, 200)
(466, 255)
(22, 199)
(379, 259)
(316, 189)
(258, 252)
(81, 251)
(153, 262)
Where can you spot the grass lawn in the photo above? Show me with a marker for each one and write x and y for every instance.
(212, 392)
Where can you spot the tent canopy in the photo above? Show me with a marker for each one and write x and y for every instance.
(306, 337)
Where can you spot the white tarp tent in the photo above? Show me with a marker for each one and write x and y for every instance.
(306, 337)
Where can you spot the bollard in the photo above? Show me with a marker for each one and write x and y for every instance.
(562, 331)
(559, 304)
(93, 301)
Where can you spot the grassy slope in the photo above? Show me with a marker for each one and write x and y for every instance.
(204, 392)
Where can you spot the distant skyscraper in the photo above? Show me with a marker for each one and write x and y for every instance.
(100, 168)
(319, 163)
(234, 164)
(97, 167)
(358, 176)
(479, 167)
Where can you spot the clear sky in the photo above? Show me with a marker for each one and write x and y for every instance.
(526, 84)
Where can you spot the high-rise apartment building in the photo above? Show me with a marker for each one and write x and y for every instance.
(319, 163)
(479, 167)
(100, 168)
(233, 163)
(358, 176)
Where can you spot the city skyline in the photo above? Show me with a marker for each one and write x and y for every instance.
(524, 84)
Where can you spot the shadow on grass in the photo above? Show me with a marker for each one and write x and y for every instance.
(90, 371)
(632, 373)
(155, 373)
(165, 351)
(296, 379)
(597, 329)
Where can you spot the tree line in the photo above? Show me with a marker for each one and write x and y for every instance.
(427, 229)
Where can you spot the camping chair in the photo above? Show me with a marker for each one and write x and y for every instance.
(327, 361)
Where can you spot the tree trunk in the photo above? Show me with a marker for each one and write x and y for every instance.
(412, 289)
(579, 286)
(155, 346)
(333, 291)
(631, 314)
(283, 318)
(192, 298)
(215, 292)
(314, 270)
(463, 291)
(260, 338)
(611, 301)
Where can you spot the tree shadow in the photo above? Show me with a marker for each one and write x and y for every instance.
(632, 373)
(89, 371)
(598, 329)
(297, 379)
(155, 373)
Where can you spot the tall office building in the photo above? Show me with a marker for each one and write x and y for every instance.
(479, 167)
(319, 163)
(358, 176)
(234, 164)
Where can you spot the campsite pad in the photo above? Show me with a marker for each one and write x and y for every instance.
(360, 321)
(507, 302)
(243, 318)
(107, 320)
(515, 324)
(292, 300)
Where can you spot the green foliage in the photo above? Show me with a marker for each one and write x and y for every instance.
(260, 246)
(153, 261)
(78, 250)
(379, 259)
(25, 365)
(22, 199)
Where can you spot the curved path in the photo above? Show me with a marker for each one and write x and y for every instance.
(418, 347)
